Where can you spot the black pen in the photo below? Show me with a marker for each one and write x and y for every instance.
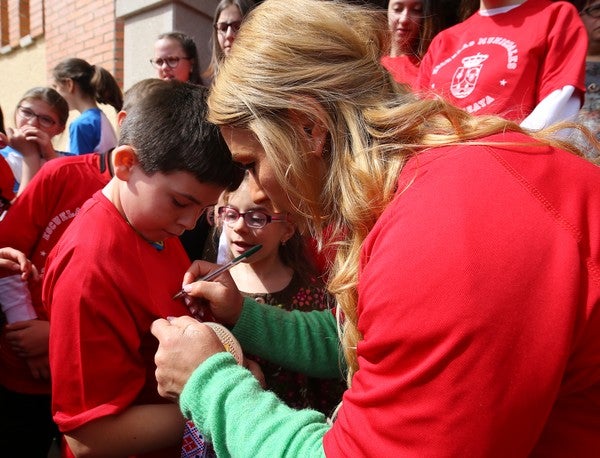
(215, 273)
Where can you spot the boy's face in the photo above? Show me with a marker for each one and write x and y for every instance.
(164, 205)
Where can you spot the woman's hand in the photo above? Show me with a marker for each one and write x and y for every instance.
(183, 344)
(220, 297)
(13, 261)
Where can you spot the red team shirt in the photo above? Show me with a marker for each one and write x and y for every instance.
(104, 286)
(506, 64)
(34, 225)
(404, 69)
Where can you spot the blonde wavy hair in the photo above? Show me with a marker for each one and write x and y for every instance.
(290, 56)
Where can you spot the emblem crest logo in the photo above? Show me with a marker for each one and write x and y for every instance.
(465, 77)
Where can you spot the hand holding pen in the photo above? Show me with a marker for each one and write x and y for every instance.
(222, 297)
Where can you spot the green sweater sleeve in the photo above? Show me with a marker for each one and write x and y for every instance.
(232, 411)
(305, 342)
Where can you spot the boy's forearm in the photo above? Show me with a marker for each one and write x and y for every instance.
(139, 429)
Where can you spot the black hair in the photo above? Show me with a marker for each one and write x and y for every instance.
(93, 80)
(170, 133)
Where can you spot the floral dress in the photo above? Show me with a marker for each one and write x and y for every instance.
(298, 390)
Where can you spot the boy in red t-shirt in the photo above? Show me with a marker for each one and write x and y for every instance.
(116, 268)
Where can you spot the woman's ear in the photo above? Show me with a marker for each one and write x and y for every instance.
(124, 158)
(313, 124)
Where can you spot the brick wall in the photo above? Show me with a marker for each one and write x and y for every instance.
(89, 31)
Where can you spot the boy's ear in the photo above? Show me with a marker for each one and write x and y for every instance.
(124, 158)
(121, 115)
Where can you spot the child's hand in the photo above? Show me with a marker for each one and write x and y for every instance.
(28, 338)
(39, 366)
(41, 139)
(18, 140)
(220, 296)
(3, 140)
(13, 261)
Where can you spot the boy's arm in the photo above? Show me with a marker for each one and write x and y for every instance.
(137, 430)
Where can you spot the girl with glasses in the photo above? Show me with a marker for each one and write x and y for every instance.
(281, 273)
(176, 58)
(84, 86)
(40, 115)
(227, 21)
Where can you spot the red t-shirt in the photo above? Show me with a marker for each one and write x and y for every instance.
(404, 69)
(104, 286)
(506, 64)
(33, 225)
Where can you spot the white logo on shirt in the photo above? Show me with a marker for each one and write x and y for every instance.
(465, 77)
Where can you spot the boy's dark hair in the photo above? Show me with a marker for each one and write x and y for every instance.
(138, 91)
(170, 133)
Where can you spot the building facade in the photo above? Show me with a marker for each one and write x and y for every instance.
(118, 35)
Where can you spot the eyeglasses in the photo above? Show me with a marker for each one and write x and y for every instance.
(171, 61)
(254, 219)
(592, 11)
(27, 113)
(223, 27)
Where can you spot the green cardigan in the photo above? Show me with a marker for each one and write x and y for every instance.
(230, 408)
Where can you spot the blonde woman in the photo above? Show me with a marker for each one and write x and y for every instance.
(466, 273)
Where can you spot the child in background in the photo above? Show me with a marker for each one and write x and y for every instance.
(227, 21)
(176, 57)
(281, 273)
(523, 60)
(40, 115)
(34, 224)
(116, 269)
(83, 85)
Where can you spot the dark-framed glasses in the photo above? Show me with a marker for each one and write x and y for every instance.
(254, 219)
(223, 27)
(592, 11)
(28, 113)
(171, 61)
